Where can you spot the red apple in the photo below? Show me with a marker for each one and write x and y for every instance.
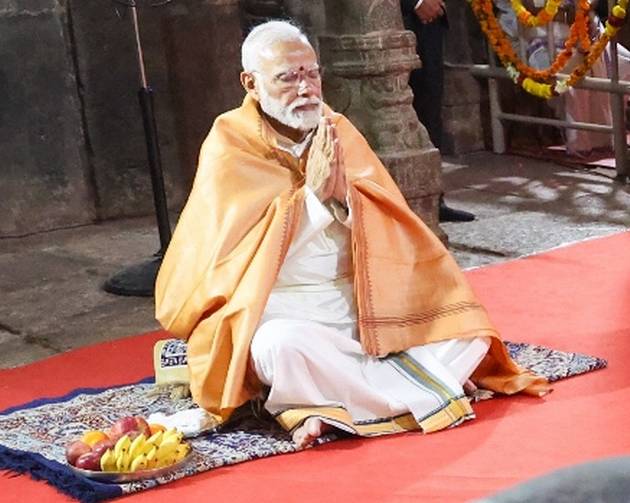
(143, 426)
(89, 461)
(75, 450)
(123, 426)
(100, 447)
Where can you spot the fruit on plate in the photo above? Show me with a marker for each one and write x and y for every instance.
(143, 426)
(130, 445)
(154, 427)
(103, 445)
(91, 437)
(129, 425)
(76, 449)
(162, 449)
(89, 461)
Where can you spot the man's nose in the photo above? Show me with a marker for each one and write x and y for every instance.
(305, 87)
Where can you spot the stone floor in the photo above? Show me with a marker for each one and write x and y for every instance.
(52, 299)
(525, 206)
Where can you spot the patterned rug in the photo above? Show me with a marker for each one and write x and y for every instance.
(33, 436)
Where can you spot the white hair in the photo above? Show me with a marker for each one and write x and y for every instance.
(266, 35)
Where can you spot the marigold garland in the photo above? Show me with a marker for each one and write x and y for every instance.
(543, 83)
(503, 47)
(544, 15)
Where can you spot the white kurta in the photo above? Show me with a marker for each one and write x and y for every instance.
(306, 347)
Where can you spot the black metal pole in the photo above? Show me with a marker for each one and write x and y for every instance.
(145, 95)
(139, 279)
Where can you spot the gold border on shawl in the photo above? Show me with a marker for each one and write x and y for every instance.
(455, 409)
(452, 414)
(362, 282)
(292, 418)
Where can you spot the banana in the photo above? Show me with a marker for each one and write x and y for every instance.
(122, 446)
(166, 453)
(139, 463)
(166, 450)
(108, 461)
(181, 451)
(137, 446)
(172, 434)
(170, 453)
(170, 431)
(166, 461)
(159, 450)
(122, 462)
(147, 447)
(152, 457)
(156, 438)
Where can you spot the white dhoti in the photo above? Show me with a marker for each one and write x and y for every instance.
(306, 348)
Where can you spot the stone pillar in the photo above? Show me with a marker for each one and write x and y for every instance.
(310, 15)
(44, 179)
(203, 54)
(367, 57)
(462, 125)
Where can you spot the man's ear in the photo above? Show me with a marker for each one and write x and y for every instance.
(249, 84)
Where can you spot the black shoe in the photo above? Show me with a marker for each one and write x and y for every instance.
(447, 214)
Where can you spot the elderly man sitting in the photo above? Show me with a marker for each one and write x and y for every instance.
(298, 269)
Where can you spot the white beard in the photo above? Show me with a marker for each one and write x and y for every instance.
(304, 120)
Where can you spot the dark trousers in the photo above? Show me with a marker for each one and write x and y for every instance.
(427, 83)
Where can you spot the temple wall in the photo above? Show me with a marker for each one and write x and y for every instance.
(71, 131)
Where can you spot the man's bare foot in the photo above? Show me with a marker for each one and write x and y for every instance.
(311, 430)
(476, 394)
(470, 387)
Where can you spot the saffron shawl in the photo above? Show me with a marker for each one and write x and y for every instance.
(236, 228)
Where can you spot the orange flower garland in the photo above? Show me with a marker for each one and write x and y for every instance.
(546, 14)
(543, 83)
(505, 51)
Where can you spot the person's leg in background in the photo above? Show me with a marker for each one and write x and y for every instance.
(427, 84)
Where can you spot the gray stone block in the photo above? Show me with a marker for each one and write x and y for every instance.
(99, 319)
(463, 132)
(487, 204)
(7, 337)
(22, 351)
(26, 7)
(537, 231)
(44, 180)
(36, 268)
(61, 273)
(460, 88)
(202, 51)
(554, 205)
(109, 78)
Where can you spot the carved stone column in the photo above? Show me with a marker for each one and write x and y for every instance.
(367, 57)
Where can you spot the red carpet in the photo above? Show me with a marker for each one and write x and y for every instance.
(573, 299)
